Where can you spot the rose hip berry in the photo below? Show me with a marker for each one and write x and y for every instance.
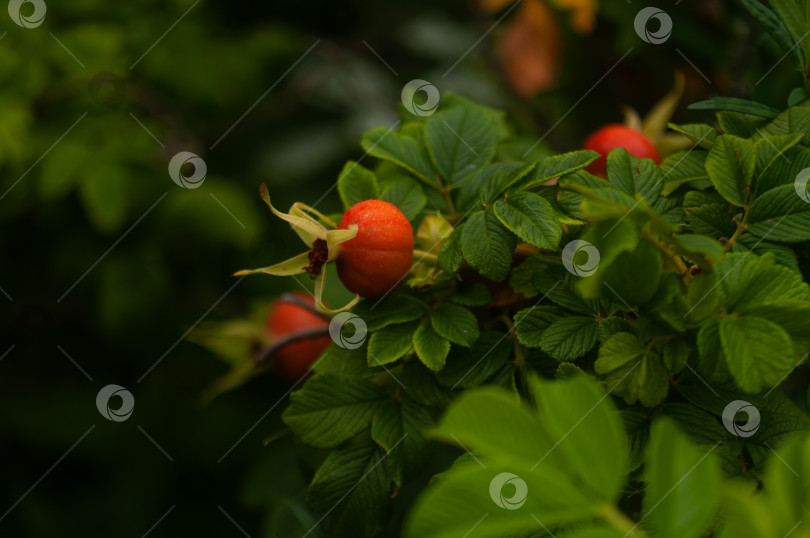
(286, 319)
(379, 258)
(610, 137)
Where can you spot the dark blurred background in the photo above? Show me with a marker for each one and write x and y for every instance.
(107, 264)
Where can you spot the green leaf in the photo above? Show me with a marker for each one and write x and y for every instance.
(548, 455)
(104, 192)
(709, 433)
(531, 218)
(751, 282)
(531, 323)
(575, 412)
(700, 244)
(704, 297)
(795, 21)
(570, 338)
(394, 308)
(460, 503)
(683, 167)
(341, 360)
(631, 278)
(713, 364)
(497, 425)
(460, 140)
(771, 149)
(701, 134)
(473, 185)
(632, 175)
(793, 120)
(741, 125)
(487, 245)
(675, 354)
(747, 514)
(632, 371)
(476, 294)
(612, 325)
(332, 408)
(455, 323)
(708, 214)
(521, 277)
(423, 387)
(353, 488)
(399, 428)
(61, 168)
(471, 368)
(556, 166)
(733, 104)
(730, 165)
(572, 188)
(759, 352)
(558, 285)
(797, 95)
(391, 343)
(682, 495)
(783, 254)
(594, 532)
(400, 149)
(780, 417)
(407, 195)
(780, 215)
(499, 183)
(777, 30)
(355, 184)
(431, 348)
(451, 256)
(787, 492)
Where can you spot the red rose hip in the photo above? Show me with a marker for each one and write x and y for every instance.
(379, 257)
(285, 319)
(616, 135)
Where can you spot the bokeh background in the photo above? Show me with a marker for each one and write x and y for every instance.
(107, 264)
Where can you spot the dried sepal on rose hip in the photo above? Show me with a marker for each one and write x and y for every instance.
(372, 246)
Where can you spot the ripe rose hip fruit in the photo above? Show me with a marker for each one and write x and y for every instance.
(379, 257)
(286, 319)
(616, 135)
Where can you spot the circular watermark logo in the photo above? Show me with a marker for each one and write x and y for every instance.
(741, 430)
(108, 90)
(182, 177)
(574, 263)
(517, 499)
(642, 25)
(340, 321)
(124, 411)
(35, 13)
(800, 184)
(408, 97)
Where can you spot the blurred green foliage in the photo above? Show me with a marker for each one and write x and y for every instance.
(105, 257)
